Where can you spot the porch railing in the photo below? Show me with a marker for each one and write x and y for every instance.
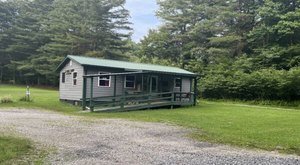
(140, 101)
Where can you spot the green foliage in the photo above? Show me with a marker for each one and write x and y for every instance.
(246, 49)
(6, 99)
(268, 84)
(36, 35)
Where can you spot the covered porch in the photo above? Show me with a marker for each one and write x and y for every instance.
(150, 90)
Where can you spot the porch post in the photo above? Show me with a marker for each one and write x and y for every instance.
(195, 91)
(115, 89)
(150, 85)
(91, 94)
(180, 88)
(84, 94)
(191, 89)
(123, 95)
(150, 90)
(142, 87)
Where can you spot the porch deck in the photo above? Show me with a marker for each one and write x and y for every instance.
(140, 101)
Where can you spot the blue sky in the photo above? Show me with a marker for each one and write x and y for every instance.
(142, 16)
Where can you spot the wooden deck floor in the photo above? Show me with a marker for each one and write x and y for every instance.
(141, 106)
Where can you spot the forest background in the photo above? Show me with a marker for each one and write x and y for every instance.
(242, 49)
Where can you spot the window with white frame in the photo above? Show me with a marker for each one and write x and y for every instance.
(75, 78)
(104, 81)
(177, 82)
(129, 81)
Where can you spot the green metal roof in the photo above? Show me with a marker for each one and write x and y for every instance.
(127, 65)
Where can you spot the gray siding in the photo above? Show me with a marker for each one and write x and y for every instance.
(68, 91)
(104, 91)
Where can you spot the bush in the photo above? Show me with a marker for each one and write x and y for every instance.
(25, 99)
(6, 99)
(264, 84)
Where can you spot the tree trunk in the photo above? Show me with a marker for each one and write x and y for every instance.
(38, 81)
(14, 76)
(1, 75)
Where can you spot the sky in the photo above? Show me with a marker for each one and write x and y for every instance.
(143, 17)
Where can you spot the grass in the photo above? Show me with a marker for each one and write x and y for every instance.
(263, 127)
(41, 98)
(12, 148)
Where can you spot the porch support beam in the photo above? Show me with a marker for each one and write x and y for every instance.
(142, 87)
(191, 90)
(195, 91)
(150, 90)
(115, 89)
(91, 94)
(150, 85)
(180, 88)
(84, 94)
(123, 94)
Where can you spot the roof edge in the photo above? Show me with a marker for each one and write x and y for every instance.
(70, 57)
(59, 67)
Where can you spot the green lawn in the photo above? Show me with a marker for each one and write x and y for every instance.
(267, 128)
(42, 98)
(12, 148)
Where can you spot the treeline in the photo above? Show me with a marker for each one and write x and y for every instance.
(243, 49)
(35, 35)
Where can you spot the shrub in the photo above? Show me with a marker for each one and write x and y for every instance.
(25, 99)
(263, 84)
(6, 99)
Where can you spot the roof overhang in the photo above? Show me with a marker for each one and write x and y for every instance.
(131, 71)
(62, 64)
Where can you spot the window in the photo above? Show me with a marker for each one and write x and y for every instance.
(71, 63)
(130, 81)
(63, 77)
(177, 82)
(103, 81)
(74, 78)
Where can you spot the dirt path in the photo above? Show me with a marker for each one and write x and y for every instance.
(112, 141)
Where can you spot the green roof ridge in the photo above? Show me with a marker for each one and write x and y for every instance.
(125, 61)
(128, 65)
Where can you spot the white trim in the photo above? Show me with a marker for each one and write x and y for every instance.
(133, 82)
(109, 84)
(71, 63)
(175, 82)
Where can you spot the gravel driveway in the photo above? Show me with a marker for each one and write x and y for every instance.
(114, 141)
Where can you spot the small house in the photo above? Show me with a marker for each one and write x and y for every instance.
(111, 85)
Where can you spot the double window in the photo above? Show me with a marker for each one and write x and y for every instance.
(129, 81)
(104, 81)
(75, 78)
